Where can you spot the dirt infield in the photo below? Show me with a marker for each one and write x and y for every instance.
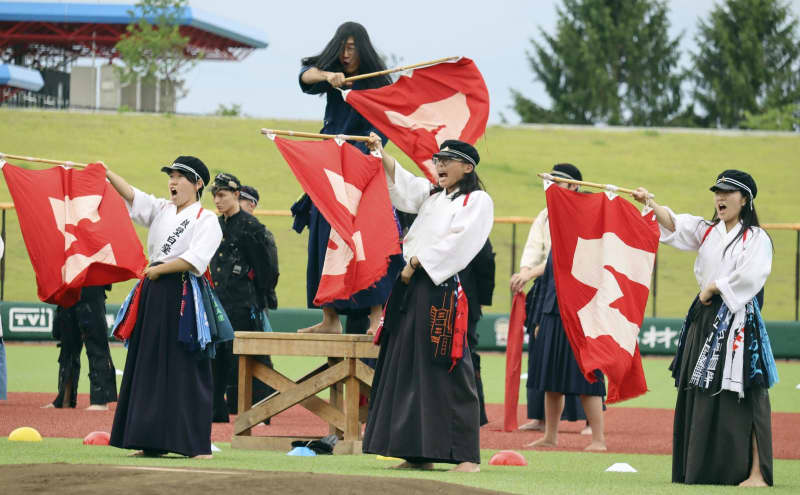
(66, 479)
(628, 430)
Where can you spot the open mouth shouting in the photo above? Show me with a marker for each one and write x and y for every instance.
(173, 192)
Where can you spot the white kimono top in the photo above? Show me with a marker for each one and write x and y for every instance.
(740, 273)
(174, 235)
(447, 233)
(537, 247)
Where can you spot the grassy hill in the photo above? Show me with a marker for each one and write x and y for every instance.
(678, 168)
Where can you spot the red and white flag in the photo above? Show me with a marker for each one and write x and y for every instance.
(603, 255)
(76, 229)
(426, 107)
(349, 189)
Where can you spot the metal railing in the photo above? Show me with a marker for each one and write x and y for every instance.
(514, 222)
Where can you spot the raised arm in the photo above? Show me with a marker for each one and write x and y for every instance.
(121, 185)
(662, 215)
(375, 143)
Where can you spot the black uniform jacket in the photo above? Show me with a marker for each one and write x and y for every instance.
(245, 267)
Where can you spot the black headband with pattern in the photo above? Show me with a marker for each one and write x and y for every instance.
(245, 195)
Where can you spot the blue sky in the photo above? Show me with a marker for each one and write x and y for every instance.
(493, 33)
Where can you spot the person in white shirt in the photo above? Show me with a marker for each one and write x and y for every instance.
(424, 406)
(724, 363)
(531, 266)
(166, 393)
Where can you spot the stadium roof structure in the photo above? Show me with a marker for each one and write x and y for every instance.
(66, 31)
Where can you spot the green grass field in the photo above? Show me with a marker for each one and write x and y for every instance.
(547, 472)
(678, 168)
(33, 368)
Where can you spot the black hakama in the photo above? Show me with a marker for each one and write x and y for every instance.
(166, 393)
(712, 435)
(554, 366)
(419, 409)
(573, 409)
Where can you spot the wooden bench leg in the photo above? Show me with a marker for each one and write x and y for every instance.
(336, 399)
(352, 425)
(245, 387)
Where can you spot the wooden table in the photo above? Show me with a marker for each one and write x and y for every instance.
(344, 373)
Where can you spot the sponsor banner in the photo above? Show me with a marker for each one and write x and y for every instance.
(34, 321)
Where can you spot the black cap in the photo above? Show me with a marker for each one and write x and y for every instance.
(225, 181)
(736, 180)
(191, 167)
(566, 171)
(458, 150)
(249, 193)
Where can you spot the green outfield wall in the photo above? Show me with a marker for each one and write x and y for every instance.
(34, 322)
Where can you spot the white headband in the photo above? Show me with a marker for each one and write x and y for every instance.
(463, 155)
(186, 168)
(563, 175)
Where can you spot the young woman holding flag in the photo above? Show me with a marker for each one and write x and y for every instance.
(424, 406)
(724, 363)
(166, 393)
(348, 53)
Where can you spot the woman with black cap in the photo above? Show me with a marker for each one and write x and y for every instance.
(424, 406)
(724, 363)
(532, 265)
(165, 397)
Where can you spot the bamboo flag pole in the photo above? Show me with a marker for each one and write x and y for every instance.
(399, 69)
(276, 132)
(42, 160)
(607, 187)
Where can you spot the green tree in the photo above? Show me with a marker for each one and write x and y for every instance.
(748, 61)
(609, 61)
(153, 48)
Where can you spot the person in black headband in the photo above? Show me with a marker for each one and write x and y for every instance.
(248, 198)
(245, 273)
(532, 265)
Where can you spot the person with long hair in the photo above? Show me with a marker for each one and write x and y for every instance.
(348, 53)
(165, 400)
(424, 406)
(724, 364)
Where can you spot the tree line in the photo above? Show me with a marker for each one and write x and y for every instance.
(613, 62)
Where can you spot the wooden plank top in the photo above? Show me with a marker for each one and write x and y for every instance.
(304, 344)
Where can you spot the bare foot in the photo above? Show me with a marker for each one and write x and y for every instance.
(424, 466)
(754, 481)
(586, 431)
(466, 467)
(534, 425)
(202, 456)
(596, 447)
(543, 442)
(48, 406)
(98, 407)
(322, 327)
